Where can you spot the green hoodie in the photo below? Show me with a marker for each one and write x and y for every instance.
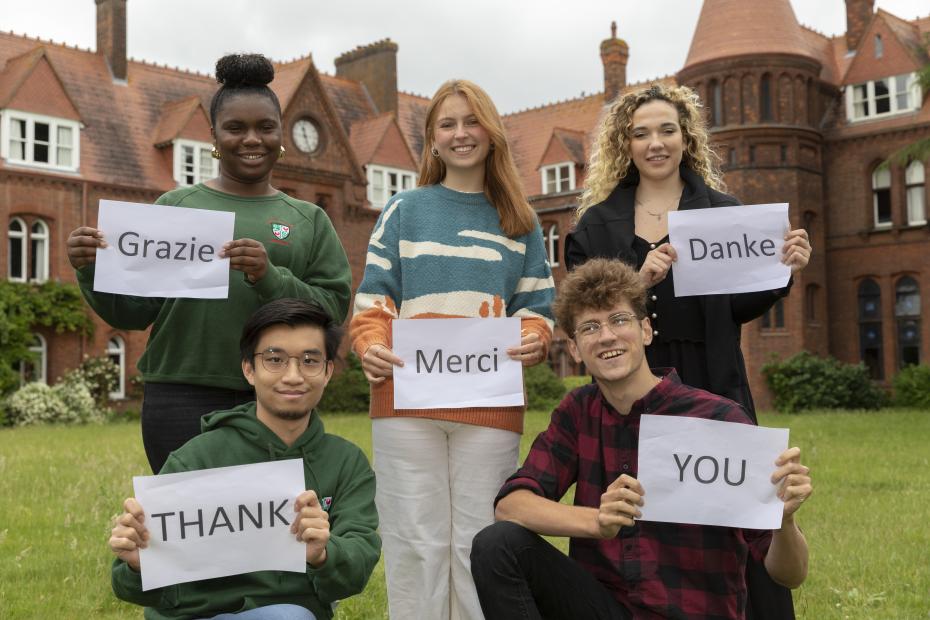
(333, 467)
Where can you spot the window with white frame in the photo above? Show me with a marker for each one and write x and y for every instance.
(35, 368)
(877, 98)
(193, 162)
(558, 178)
(38, 255)
(879, 46)
(881, 197)
(16, 250)
(916, 193)
(116, 351)
(384, 182)
(38, 140)
(552, 244)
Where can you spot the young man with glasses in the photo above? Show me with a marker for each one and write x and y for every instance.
(287, 349)
(619, 567)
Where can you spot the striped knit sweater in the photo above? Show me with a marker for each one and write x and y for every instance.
(438, 253)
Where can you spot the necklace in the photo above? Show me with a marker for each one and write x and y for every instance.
(658, 215)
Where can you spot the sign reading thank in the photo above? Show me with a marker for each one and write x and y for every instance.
(729, 249)
(456, 363)
(163, 251)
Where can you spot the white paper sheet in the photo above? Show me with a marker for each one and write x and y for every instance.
(729, 249)
(456, 363)
(162, 251)
(690, 467)
(231, 541)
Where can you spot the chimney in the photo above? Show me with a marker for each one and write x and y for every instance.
(614, 54)
(111, 35)
(375, 66)
(858, 15)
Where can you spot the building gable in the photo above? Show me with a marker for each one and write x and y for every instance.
(898, 54)
(185, 118)
(31, 84)
(565, 145)
(380, 141)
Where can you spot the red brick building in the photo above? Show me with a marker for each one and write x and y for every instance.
(797, 117)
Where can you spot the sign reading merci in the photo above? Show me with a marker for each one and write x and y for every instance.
(456, 363)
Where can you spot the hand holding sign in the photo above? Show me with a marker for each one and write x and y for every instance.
(797, 250)
(82, 246)
(657, 264)
(248, 256)
(793, 480)
(129, 534)
(312, 527)
(378, 363)
(618, 505)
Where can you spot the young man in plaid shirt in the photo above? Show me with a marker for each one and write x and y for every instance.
(619, 567)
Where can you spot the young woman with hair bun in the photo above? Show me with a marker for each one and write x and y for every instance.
(465, 243)
(191, 362)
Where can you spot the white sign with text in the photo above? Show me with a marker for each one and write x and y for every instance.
(457, 363)
(163, 251)
(220, 522)
(729, 249)
(707, 472)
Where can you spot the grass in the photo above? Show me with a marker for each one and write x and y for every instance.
(866, 524)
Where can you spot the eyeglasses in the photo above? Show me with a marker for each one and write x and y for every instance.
(309, 364)
(617, 323)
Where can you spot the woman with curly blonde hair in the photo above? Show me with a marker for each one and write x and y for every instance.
(652, 156)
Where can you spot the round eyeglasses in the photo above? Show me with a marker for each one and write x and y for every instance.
(310, 364)
(617, 323)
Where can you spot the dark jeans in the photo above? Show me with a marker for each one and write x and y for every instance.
(171, 415)
(767, 599)
(521, 576)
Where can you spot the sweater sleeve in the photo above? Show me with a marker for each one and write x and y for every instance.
(378, 296)
(326, 279)
(532, 299)
(354, 545)
(119, 311)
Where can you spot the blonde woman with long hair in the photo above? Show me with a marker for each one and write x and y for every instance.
(652, 156)
(465, 243)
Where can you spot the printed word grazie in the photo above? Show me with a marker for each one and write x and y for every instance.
(130, 245)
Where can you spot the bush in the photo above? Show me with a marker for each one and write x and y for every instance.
(101, 376)
(544, 389)
(575, 381)
(805, 381)
(912, 387)
(68, 402)
(348, 391)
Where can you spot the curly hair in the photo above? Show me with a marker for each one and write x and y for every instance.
(599, 284)
(242, 74)
(501, 181)
(611, 161)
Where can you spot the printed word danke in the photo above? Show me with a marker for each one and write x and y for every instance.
(470, 363)
(184, 523)
(130, 245)
(731, 249)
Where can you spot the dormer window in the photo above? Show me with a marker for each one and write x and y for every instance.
(879, 47)
(884, 97)
(193, 162)
(384, 182)
(37, 140)
(558, 178)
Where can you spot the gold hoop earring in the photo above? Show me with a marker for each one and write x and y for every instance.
(434, 152)
(215, 154)
(282, 153)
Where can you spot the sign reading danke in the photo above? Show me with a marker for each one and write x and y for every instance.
(219, 522)
(457, 363)
(729, 249)
(708, 472)
(163, 251)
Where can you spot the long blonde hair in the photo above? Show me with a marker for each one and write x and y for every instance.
(501, 181)
(611, 161)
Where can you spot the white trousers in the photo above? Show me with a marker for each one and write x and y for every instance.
(436, 486)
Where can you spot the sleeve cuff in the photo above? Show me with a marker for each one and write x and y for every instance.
(268, 286)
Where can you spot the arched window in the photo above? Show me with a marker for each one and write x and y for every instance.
(774, 318)
(811, 293)
(38, 244)
(716, 110)
(881, 197)
(552, 245)
(916, 194)
(870, 327)
(879, 46)
(116, 351)
(765, 97)
(36, 368)
(907, 315)
(16, 260)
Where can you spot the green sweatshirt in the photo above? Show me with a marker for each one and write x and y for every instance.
(196, 341)
(333, 467)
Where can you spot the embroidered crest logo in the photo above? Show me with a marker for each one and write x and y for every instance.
(326, 503)
(280, 231)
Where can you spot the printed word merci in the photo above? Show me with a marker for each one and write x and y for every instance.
(711, 471)
(731, 249)
(129, 245)
(221, 519)
(453, 363)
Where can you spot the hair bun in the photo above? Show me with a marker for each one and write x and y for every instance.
(238, 70)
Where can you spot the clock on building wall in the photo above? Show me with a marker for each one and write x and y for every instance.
(306, 136)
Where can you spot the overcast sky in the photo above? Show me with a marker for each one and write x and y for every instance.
(525, 53)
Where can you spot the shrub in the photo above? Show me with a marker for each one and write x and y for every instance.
(348, 391)
(101, 376)
(805, 381)
(544, 389)
(912, 387)
(575, 381)
(68, 402)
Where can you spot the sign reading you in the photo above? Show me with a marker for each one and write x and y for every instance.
(456, 363)
(707, 472)
(729, 249)
(219, 522)
(162, 251)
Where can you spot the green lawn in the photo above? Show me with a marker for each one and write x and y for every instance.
(867, 522)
